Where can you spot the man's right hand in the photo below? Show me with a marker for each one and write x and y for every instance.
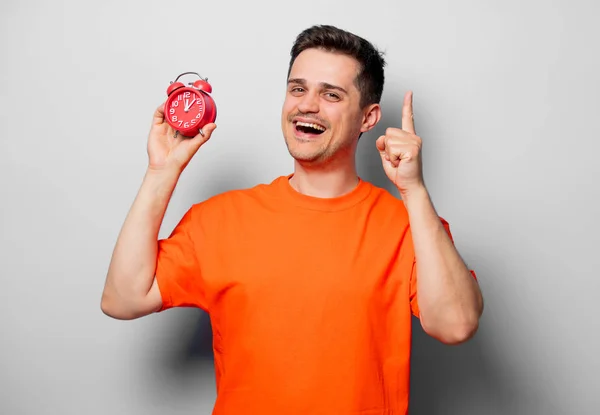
(165, 151)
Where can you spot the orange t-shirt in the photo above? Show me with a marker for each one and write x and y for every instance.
(310, 299)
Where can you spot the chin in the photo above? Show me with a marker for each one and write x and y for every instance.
(302, 152)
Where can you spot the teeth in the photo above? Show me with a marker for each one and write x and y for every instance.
(315, 126)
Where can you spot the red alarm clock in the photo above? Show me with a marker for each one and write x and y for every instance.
(189, 108)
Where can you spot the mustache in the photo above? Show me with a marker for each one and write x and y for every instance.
(321, 121)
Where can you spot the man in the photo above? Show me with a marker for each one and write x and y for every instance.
(310, 280)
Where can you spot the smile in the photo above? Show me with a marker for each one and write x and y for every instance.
(308, 129)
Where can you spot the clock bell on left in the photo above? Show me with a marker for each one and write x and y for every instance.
(189, 108)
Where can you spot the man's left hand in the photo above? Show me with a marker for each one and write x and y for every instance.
(400, 150)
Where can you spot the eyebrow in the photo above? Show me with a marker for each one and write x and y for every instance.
(324, 85)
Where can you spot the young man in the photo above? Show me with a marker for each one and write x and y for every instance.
(310, 280)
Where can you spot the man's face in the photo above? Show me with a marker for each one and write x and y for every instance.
(321, 116)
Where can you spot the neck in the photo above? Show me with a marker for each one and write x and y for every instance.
(324, 182)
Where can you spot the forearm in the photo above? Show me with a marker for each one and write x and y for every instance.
(131, 270)
(449, 298)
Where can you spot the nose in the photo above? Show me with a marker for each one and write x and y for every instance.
(309, 103)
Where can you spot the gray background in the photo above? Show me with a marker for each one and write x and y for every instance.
(506, 101)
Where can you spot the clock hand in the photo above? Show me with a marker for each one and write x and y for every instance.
(191, 104)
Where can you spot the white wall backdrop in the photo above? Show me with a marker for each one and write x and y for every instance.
(506, 101)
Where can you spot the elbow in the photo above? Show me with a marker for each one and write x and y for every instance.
(109, 307)
(456, 326)
(114, 309)
(452, 333)
(461, 333)
(127, 305)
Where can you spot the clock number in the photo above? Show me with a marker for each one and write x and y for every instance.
(187, 94)
(193, 122)
(171, 111)
(198, 116)
(174, 118)
(186, 125)
(175, 103)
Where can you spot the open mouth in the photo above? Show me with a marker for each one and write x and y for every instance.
(306, 128)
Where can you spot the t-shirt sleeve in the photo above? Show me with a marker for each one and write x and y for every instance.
(178, 272)
(414, 304)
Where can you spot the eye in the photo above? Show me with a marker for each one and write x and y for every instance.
(332, 96)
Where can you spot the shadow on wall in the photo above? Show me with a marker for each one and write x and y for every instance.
(457, 379)
(198, 346)
(188, 349)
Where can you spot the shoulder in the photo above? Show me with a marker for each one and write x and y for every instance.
(384, 202)
(238, 199)
(390, 204)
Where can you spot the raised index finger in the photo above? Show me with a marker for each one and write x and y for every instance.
(408, 122)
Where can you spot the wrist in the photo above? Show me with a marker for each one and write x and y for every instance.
(418, 203)
(414, 194)
(163, 173)
(160, 183)
(421, 212)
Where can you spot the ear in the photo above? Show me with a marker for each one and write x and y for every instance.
(371, 116)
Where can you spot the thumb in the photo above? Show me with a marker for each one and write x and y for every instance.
(380, 143)
(204, 134)
(189, 146)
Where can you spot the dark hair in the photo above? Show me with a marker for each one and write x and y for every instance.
(370, 78)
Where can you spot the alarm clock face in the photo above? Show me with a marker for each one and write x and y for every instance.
(185, 109)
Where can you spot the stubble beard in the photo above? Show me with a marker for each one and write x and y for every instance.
(313, 152)
(308, 152)
(316, 154)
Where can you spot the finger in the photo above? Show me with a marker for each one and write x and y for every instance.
(382, 147)
(204, 133)
(380, 143)
(400, 152)
(159, 114)
(408, 122)
(394, 157)
(386, 152)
